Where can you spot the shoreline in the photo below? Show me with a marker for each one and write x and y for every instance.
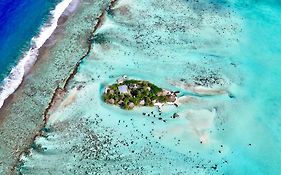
(56, 35)
(45, 39)
(42, 54)
(60, 91)
(23, 114)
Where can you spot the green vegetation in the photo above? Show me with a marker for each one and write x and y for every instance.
(131, 93)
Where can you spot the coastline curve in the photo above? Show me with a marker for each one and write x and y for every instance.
(16, 75)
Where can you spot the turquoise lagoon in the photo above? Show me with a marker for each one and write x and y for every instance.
(223, 57)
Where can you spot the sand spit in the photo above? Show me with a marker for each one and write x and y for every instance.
(201, 90)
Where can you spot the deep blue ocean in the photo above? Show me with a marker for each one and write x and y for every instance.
(20, 20)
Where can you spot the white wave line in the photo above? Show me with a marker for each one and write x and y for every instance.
(12, 82)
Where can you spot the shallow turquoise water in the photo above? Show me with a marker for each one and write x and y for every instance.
(229, 125)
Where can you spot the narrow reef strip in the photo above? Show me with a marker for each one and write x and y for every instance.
(59, 90)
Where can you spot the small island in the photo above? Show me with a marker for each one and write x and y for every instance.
(128, 94)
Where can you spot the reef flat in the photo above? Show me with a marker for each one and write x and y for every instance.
(164, 42)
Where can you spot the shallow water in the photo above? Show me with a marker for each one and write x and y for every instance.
(228, 126)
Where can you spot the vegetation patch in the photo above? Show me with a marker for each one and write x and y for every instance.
(130, 93)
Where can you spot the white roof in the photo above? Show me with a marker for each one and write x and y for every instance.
(123, 88)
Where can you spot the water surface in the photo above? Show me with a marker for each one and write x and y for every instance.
(221, 56)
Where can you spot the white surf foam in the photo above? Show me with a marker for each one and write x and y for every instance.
(12, 82)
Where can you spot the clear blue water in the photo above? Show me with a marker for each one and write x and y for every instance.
(20, 20)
